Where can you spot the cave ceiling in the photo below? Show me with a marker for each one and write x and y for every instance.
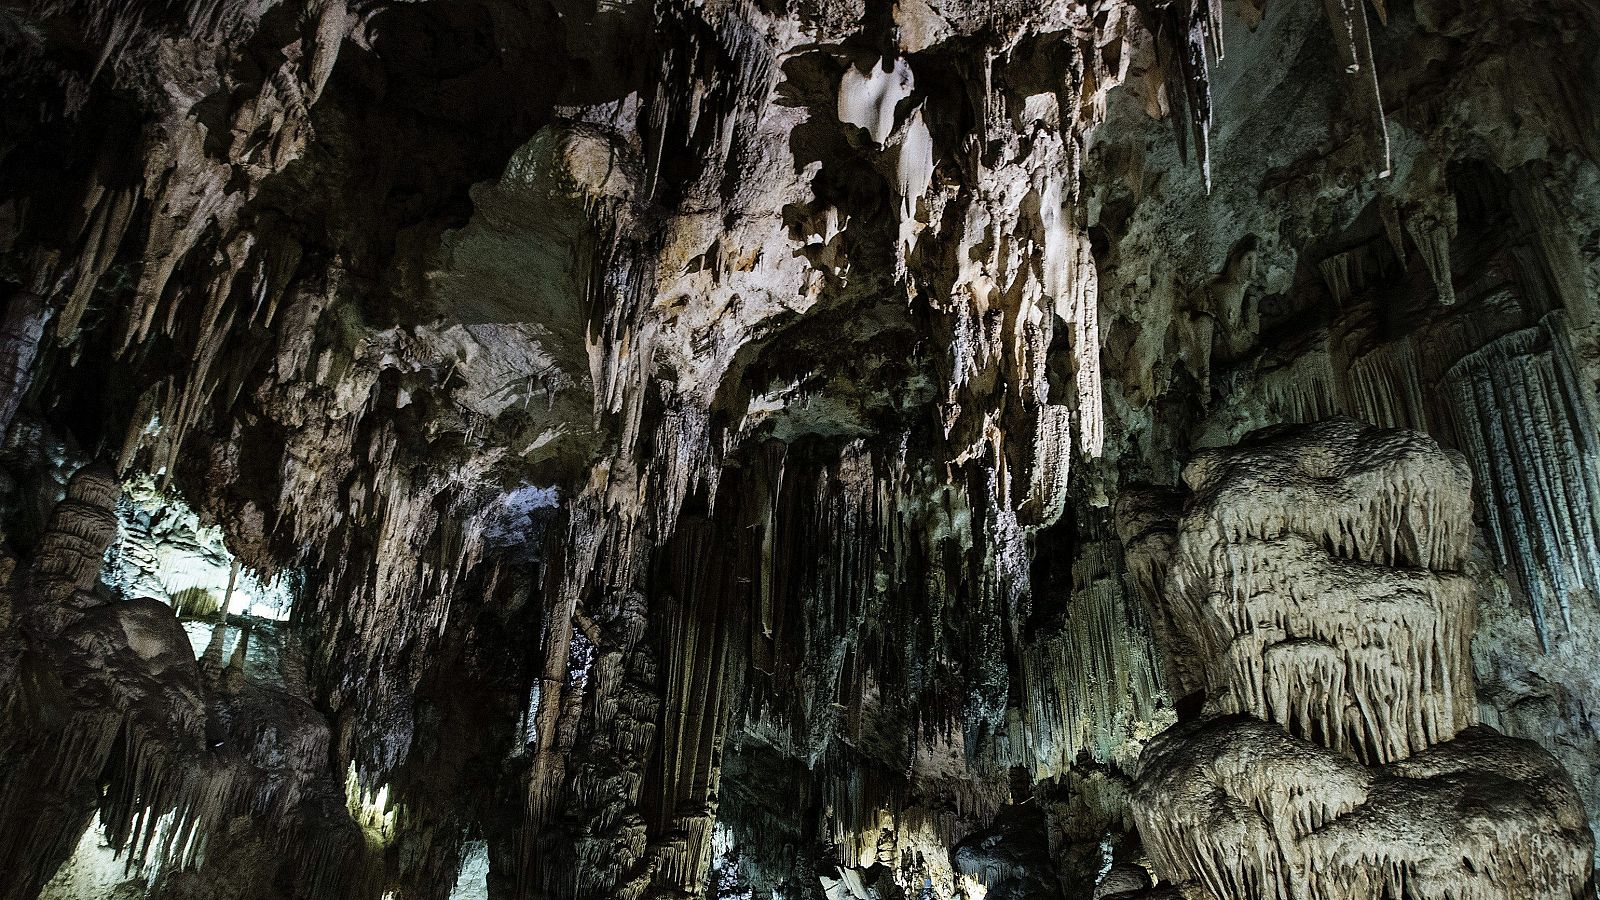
(799, 449)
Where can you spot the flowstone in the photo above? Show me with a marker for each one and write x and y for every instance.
(1317, 573)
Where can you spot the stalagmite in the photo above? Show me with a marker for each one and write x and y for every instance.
(1317, 570)
(70, 553)
(1237, 808)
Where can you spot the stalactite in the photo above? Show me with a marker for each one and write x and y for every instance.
(1348, 18)
(1558, 254)
(1527, 432)
(695, 654)
(20, 335)
(1344, 274)
(868, 100)
(915, 171)
(107, 214)
(836, 283)
(1181, 31)
(1432, 238)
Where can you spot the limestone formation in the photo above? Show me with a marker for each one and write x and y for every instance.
(1318, 572)
(568, 450)
(1236, 807)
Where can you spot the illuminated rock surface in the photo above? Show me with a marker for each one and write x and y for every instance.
(1318, 572)
(629, 450)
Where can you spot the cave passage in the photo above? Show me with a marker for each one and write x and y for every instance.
(799, 450)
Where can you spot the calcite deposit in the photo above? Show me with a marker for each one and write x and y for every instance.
(475, 449)
(1318, 572)
(1236, 807)
(1318, 575)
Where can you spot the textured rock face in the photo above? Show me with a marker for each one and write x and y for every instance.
(1318, 574)
(114, 718)
(708, 448)
(1318, 570)
(1236, 807)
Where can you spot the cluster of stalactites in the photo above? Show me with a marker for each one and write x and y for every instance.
(185, 202)
(163, 747)
(887, 539)
(1027, 270)
(1093, 686)
(1524, 425)
(1188, 41)
(121, 665)
(182, 202)
(186, 190)
(811, 585)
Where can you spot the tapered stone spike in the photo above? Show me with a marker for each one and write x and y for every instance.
(1352, 43)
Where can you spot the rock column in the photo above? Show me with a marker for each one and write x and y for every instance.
(1316, 577)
